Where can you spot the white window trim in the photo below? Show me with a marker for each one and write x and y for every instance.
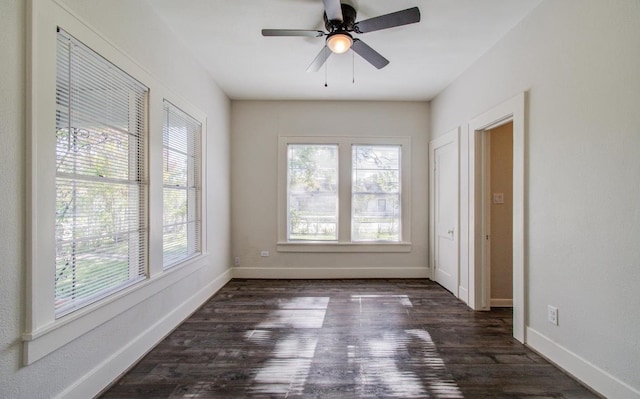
(344, 243)
(43, 332)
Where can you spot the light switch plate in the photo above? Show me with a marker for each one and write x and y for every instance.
(552, 314)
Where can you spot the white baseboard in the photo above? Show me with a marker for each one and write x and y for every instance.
(105, 373)
(463, 294)
(588, 373)
(501, 302)
(329, 272)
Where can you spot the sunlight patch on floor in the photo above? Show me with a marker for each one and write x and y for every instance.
(395, 363)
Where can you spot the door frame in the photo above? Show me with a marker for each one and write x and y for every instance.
(453, 136)
(512, 110)
(485, 215)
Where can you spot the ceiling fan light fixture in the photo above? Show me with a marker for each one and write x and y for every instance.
(339, 42)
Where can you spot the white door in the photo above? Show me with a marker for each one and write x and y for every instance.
(444, 210)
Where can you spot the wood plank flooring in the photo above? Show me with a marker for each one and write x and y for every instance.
(343, 339)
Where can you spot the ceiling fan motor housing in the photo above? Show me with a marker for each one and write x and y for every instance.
(348, 20)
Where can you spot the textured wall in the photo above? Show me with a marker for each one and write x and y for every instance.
(12, 195)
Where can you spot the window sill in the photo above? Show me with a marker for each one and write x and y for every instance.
(348, 247)
(41, 342)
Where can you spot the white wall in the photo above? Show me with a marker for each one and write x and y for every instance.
(90, 360)
(579, 60)
(256, 126)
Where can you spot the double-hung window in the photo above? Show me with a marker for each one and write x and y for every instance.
(181, 159)
(376, 213)
(312, 192)
(101, 206)
(344, 194)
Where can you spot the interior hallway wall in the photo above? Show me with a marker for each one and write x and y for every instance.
(579, 62)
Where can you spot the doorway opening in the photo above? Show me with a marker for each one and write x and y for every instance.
(511, 111)
(497, 204)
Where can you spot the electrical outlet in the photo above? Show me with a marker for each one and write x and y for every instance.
(552, 314)
(236, 261)
(264, 254)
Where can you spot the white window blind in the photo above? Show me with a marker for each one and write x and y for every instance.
(181, 178)
(101, 234)
(375, 190)
(312, 192)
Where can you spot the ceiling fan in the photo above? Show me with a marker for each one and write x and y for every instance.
(340, 21)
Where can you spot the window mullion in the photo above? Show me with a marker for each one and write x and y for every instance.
(344, 193)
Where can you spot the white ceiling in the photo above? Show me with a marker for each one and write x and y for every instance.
(225, 36)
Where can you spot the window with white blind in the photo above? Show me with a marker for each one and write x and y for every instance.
(344, 194)
(101, 214)
(181, 160)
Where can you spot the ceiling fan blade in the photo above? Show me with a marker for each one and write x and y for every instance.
(320, 59)
(292, 32)
(373, 57)
(399, 18)
(333, 9)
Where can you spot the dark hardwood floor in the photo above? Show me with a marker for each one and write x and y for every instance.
(343, 339)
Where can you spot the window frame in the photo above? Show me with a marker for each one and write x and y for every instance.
(354, 193)
(81, 60)
(336, 194)
(344, 242)
(194, 202)
(44, 333)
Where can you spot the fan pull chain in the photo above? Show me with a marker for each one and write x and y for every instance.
(353, 67)
(325, 73)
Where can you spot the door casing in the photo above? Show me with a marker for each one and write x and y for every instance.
(472, 215)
